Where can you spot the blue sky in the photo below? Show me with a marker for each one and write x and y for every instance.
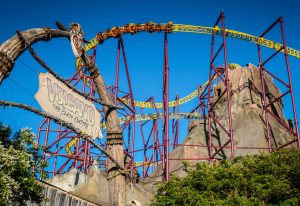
(188, 53)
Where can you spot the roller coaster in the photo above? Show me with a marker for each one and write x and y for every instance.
(65, 149)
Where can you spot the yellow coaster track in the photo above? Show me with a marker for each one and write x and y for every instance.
(138, 118)
(152, 27)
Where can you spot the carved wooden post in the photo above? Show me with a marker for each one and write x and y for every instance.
(117, 186)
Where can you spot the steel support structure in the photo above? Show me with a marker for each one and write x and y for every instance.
(63, 148)
(222, 75)
(165, 122)
(175, 125)
(152, 153)
(129, 112)
(153, 147)
(267, 99)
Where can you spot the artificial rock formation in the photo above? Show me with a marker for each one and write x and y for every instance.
(249, 129)
(94, 185)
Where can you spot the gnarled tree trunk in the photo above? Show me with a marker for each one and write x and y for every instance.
(11, 49)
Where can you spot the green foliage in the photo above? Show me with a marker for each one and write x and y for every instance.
(266, 179)
(5, 133)
(17, 181)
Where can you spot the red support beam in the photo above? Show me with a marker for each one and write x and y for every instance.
(224, 77)
(166, 111)
(290, 82)
(53, 138)
(175, 123)
(156, 149)
(267, 113)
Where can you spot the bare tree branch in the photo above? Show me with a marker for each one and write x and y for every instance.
(11, 49)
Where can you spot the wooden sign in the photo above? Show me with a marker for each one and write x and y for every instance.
(57, 99)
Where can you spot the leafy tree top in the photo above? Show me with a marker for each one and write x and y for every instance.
(17, 181)
(265, 179)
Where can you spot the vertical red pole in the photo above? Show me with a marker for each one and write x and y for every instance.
(90, 162)
(199, 98)
(117, 72)
(214, 73)
(45, 144)
(175, 124)
(166, 111)
(158, 152)
(173, 127)
(210, 78)
(131, 103)
(85, 147)
(153, 147)
(38, 139)
(77, 145)
(264, 98)
(132, 145)
(127, 74)
(56, 148)
(55, 160)
(84, 83)
(228, 87)
(290, 82)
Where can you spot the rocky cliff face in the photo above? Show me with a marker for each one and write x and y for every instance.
(249, 138)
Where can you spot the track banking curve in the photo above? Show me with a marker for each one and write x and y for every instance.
(151, 27)
(170, 27)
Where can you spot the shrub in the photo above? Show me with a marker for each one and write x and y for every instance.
(265, 179)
